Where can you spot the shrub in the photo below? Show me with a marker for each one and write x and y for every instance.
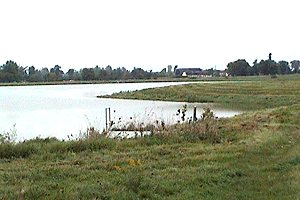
(20, 150)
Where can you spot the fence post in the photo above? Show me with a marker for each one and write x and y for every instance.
(195, 114)
(106, 125)
(107, 119)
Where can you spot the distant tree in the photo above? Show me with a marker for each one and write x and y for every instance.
(295, 65)
(108, 72)
(87, 74)
(117, 74)
(138, 73)
(97, 72)
(31, 70)
(52, 76)
(9, 72)
(170, 73)
(210, 71)
(32, 74)
(274, 67)
(266, 67)
(70, 74)
(58, 72)
(125, 74)
(23, 73)
(163, 72)
(45, 74)
(103, 75)
(238, 68)
(254, 68)
(284, 67)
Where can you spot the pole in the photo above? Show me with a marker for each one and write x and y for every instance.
(106, 125)
(195, 114)
(109, 118)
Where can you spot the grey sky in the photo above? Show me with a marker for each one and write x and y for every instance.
(148, 34)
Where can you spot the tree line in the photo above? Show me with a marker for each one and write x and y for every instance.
(265, 67)
(12, 72)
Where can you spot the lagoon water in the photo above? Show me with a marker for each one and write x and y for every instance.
(61, 110)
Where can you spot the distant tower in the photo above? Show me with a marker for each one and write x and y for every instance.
(270, 56)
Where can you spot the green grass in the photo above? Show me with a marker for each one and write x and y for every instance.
(255, 155)
(246, 93)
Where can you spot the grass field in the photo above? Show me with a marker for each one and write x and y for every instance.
(243, 93)
(255, 155)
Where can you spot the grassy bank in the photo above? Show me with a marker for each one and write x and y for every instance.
(249, 93)
(252, 156)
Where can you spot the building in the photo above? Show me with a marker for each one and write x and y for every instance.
(190, 72)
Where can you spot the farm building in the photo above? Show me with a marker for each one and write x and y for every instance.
(188, 72)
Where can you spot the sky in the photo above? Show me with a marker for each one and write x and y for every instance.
(147, 34)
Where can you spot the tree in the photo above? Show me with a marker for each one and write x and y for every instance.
(170, 73)
(31, 70)
(116, 74)
(125, 74)
(87, 74)
(23, 73)
(163, 72)
(295, 65)
(284, 67)
(210, 71)
(266, 67)
(70, 74)
(52, 77)
(58, 72)
(32, 74)
(138, 73)
(45, 74)
(108, 72)
(10, 72)
(254, 68)
(238, 68)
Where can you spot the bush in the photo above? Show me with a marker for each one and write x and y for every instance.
(20, 150)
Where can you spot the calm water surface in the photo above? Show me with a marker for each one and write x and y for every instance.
(61, 110)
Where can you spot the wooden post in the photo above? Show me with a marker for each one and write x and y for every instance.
(106, 125)
(109, 118)
(195, 114)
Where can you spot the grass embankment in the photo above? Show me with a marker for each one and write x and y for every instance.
(256, 93)
(251, 156)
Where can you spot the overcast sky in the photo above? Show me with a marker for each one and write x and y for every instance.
(147, 33)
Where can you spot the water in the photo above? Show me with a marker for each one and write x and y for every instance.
(61, 110)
